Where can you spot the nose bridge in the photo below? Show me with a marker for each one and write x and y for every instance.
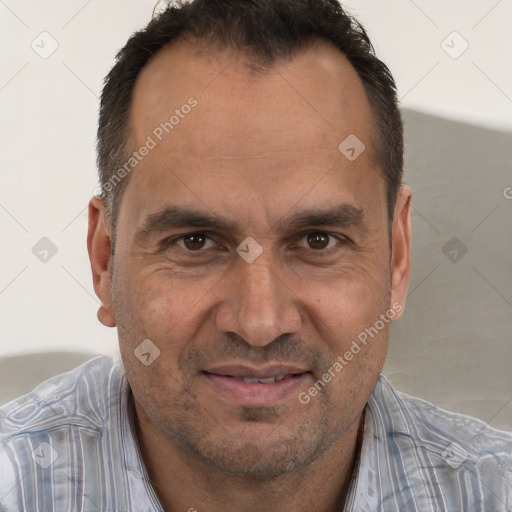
(262, 307)
(259, 285)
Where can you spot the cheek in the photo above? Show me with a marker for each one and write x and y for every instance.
(344, 312)
(355, 298)
(347, 319)
(156, 308)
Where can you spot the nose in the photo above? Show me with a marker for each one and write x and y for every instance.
(258, 304)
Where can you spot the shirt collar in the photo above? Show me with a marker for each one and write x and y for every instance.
(389, 459)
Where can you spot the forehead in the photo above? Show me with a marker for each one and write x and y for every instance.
(250, 133)
(317, 92)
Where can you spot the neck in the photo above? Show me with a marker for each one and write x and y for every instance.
(183, 482)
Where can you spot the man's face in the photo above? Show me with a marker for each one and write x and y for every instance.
(256, 151)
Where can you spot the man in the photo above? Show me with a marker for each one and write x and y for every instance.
(251, 245)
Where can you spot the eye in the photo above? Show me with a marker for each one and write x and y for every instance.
(192, 242)
(319, 240)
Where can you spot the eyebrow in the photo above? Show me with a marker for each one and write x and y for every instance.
(344, 215)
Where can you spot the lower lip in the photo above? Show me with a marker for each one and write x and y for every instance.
(255, 394)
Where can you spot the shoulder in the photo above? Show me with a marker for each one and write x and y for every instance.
(77, 396)
(438, 425)
(465, 459)
(51, 436)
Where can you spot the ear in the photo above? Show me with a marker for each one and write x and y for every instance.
(401, 247)
(99, 247)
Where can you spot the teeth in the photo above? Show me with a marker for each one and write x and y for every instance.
(266, 380)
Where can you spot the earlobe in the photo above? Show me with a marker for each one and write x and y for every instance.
(105, 317)
(99, 248)
(401, 246)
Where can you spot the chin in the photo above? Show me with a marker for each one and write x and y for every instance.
(254, 450)
(261, 461)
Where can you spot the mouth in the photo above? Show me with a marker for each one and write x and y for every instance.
(257, 387)
(264, 380)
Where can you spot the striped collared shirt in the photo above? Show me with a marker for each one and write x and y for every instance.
(70, 445)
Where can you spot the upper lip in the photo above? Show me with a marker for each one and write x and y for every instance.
(250, 372)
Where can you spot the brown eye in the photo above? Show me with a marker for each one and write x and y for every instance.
(193, 241)
(318, 240)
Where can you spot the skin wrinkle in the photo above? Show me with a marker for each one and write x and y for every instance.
(289, 305)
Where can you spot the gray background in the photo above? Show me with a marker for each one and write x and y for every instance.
(453, 345)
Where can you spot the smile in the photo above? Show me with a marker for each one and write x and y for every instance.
(249, 389)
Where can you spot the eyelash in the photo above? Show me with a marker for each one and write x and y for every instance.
(173, 241)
